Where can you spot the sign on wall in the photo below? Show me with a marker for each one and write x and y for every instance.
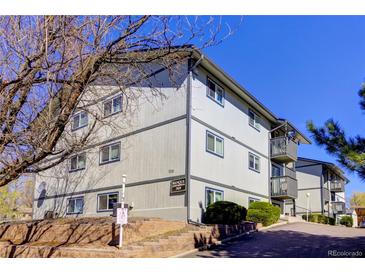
(177, 186)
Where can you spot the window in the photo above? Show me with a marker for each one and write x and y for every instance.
(254, 162)
(110, 153)
(75, 205)
(275, 171)
(215, 92)
(214, 144)
(254, 119)
(251, 200)
(78, 162)
(79, 120)
(212, 196)
(106, 201)
(113, 106)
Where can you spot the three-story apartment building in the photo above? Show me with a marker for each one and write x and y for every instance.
(209, 139)
(321, 187)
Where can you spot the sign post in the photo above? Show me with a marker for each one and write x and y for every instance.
(122, 213)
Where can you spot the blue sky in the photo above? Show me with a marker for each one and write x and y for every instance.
(302, 68)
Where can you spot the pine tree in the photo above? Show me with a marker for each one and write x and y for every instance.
(349, 151)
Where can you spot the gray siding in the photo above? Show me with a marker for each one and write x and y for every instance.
(153, 145)
(231, 172)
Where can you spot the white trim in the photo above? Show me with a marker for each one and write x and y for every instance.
(112, 105)
(256, 124)
(216, 87)
(79, 125)
(255, 160)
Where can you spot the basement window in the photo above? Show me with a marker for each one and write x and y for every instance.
(252, 200)
(75, 205)
(212, 196)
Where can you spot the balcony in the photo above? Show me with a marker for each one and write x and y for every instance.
(338, 207)
(283, 149)
(337, 186)
(284, 187)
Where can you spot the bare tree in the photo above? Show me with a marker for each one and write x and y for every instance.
(47, 63)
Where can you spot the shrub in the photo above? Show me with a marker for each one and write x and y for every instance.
(347, 221)
(224, 212)
(263, 212)
(331, 221)
(319, 218)
(322, 219)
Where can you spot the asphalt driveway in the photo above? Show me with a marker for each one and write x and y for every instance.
(297, 240)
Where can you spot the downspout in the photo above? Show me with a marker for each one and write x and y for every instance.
(322, 191)
(329, 193)
(269, 165)
(188, 131)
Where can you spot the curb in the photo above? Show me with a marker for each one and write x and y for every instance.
(207, 246)
(273, 225)
(226, 240)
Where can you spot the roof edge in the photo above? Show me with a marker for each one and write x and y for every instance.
(242, 92)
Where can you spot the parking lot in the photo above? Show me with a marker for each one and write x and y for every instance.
(296, 240)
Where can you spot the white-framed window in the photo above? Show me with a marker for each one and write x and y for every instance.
(254, 162)
(212, 196)
(215, 92)
(110, 153)
(78, 162)
(112, 106)
(79, 120)
(254, 119)
(214, 144)
(75, 205)
(107, 200)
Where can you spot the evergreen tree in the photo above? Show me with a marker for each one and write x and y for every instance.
(349, 151)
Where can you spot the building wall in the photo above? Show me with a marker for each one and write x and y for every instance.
(231, 172)
(198, 196)
(309, 181)
(153, 148)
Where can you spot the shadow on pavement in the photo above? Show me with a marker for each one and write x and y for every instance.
(289, 244)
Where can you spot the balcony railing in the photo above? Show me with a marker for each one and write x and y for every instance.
(284, 187)
(338, 207)
(289, 172)
(283, 149)
(337, 186)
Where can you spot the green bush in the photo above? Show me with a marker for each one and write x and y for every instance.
(319, 218)
(224, 212)
(331, 221)
(263, 212)
(322, 219)
(347, 221)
